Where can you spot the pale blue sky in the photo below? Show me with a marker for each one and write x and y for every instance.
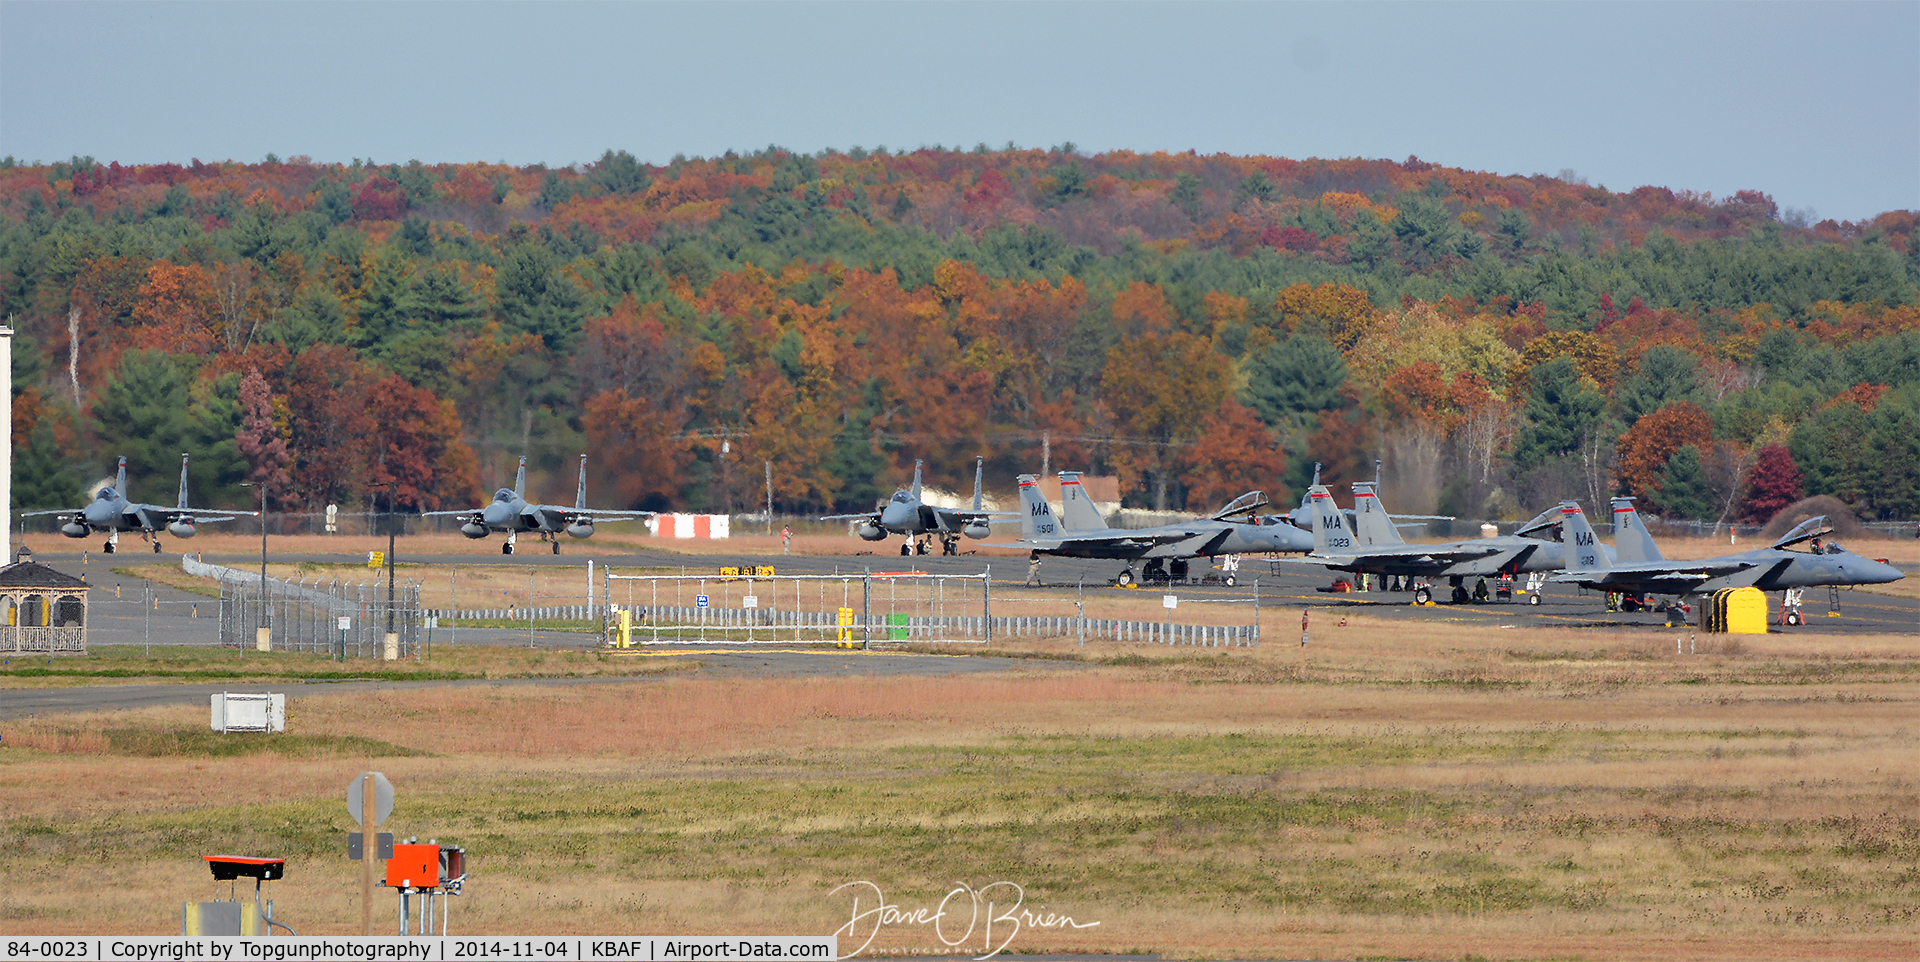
(1817, 104)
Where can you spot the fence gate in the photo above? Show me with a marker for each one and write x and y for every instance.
(308, 616)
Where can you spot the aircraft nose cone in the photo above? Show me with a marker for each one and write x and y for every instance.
(896, 516)
(1878, 572)
(497, 515)
(98, 513)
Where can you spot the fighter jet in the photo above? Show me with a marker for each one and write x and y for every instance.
(113, 513)
(1640, 569)
(1374, 546)
(511, 513)
(1232, 530)
(906, 514)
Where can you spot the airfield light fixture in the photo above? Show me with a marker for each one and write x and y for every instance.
(389, 486)
(263, 548)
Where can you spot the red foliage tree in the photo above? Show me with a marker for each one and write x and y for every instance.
(417, 447)
(260, 441)
(1774, 484)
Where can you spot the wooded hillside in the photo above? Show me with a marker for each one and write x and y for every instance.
(1197, 325)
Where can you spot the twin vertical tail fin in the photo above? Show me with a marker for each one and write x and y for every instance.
(183, 480)
(520, 481)
(1583, 549)
(916, 479)
(979, 473)
(1036, 515)
(120, 478)
(580, 494)
(1630, 538)
(1320, 507)
(1371, 526)
(1076, 509)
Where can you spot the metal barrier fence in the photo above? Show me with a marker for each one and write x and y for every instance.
(788, 608)
(347, 620)
(864, 609)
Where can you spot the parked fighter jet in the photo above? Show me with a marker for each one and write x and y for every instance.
(1232, 530)
(1374, 546)
(511, 513)
(906, 514)
(113, 513)
(1640, 568)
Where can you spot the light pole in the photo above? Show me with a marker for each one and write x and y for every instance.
(263, 632)
(393, 639)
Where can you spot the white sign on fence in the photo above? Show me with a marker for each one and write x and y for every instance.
(1169, 602)
(750, 601)
(346, 622)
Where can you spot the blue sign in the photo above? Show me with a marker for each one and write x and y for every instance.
(699, 601)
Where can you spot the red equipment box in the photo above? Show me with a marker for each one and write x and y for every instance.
(414, 866)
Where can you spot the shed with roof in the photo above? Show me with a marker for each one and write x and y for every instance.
(46, 610)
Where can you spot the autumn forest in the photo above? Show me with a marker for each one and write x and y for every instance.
(1196, 325)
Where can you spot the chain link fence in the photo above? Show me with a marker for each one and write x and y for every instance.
(347, 619)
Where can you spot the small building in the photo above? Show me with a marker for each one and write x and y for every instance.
(46, 610)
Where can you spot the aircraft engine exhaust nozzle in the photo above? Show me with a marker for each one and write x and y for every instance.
(977, 530)
(868, 531)
(474, 529)
(580, 529)
(181, 528)
(74, 529)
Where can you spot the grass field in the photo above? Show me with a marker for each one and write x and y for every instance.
(1401, 792)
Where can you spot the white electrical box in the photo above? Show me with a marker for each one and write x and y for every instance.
(244, 712)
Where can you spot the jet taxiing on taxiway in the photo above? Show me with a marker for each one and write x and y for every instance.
(1374, 546)
(1084, 534)
(906, 514)
(511, 513)
(1641, 569)
(113, 513)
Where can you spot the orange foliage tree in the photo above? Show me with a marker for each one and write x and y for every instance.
(1645, 448)
(1161, 389)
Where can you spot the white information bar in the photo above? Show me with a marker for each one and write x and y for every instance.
(431, 948)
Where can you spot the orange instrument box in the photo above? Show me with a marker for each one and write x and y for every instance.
(414, 866)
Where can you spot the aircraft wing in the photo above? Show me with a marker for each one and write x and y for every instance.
(1118, 540)
(437, 514)
(29, 514)
(873, 516)
(1666, 573)
(169, 514)
(1434, 554)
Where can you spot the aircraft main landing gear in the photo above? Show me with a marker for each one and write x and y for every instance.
(156, 546)
(1125, 577)
(1422, 595)
(556, 547)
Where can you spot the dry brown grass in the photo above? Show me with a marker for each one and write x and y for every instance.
(1428, 791)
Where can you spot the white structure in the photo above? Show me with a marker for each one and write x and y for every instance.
(688, 526)
(238, 712)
